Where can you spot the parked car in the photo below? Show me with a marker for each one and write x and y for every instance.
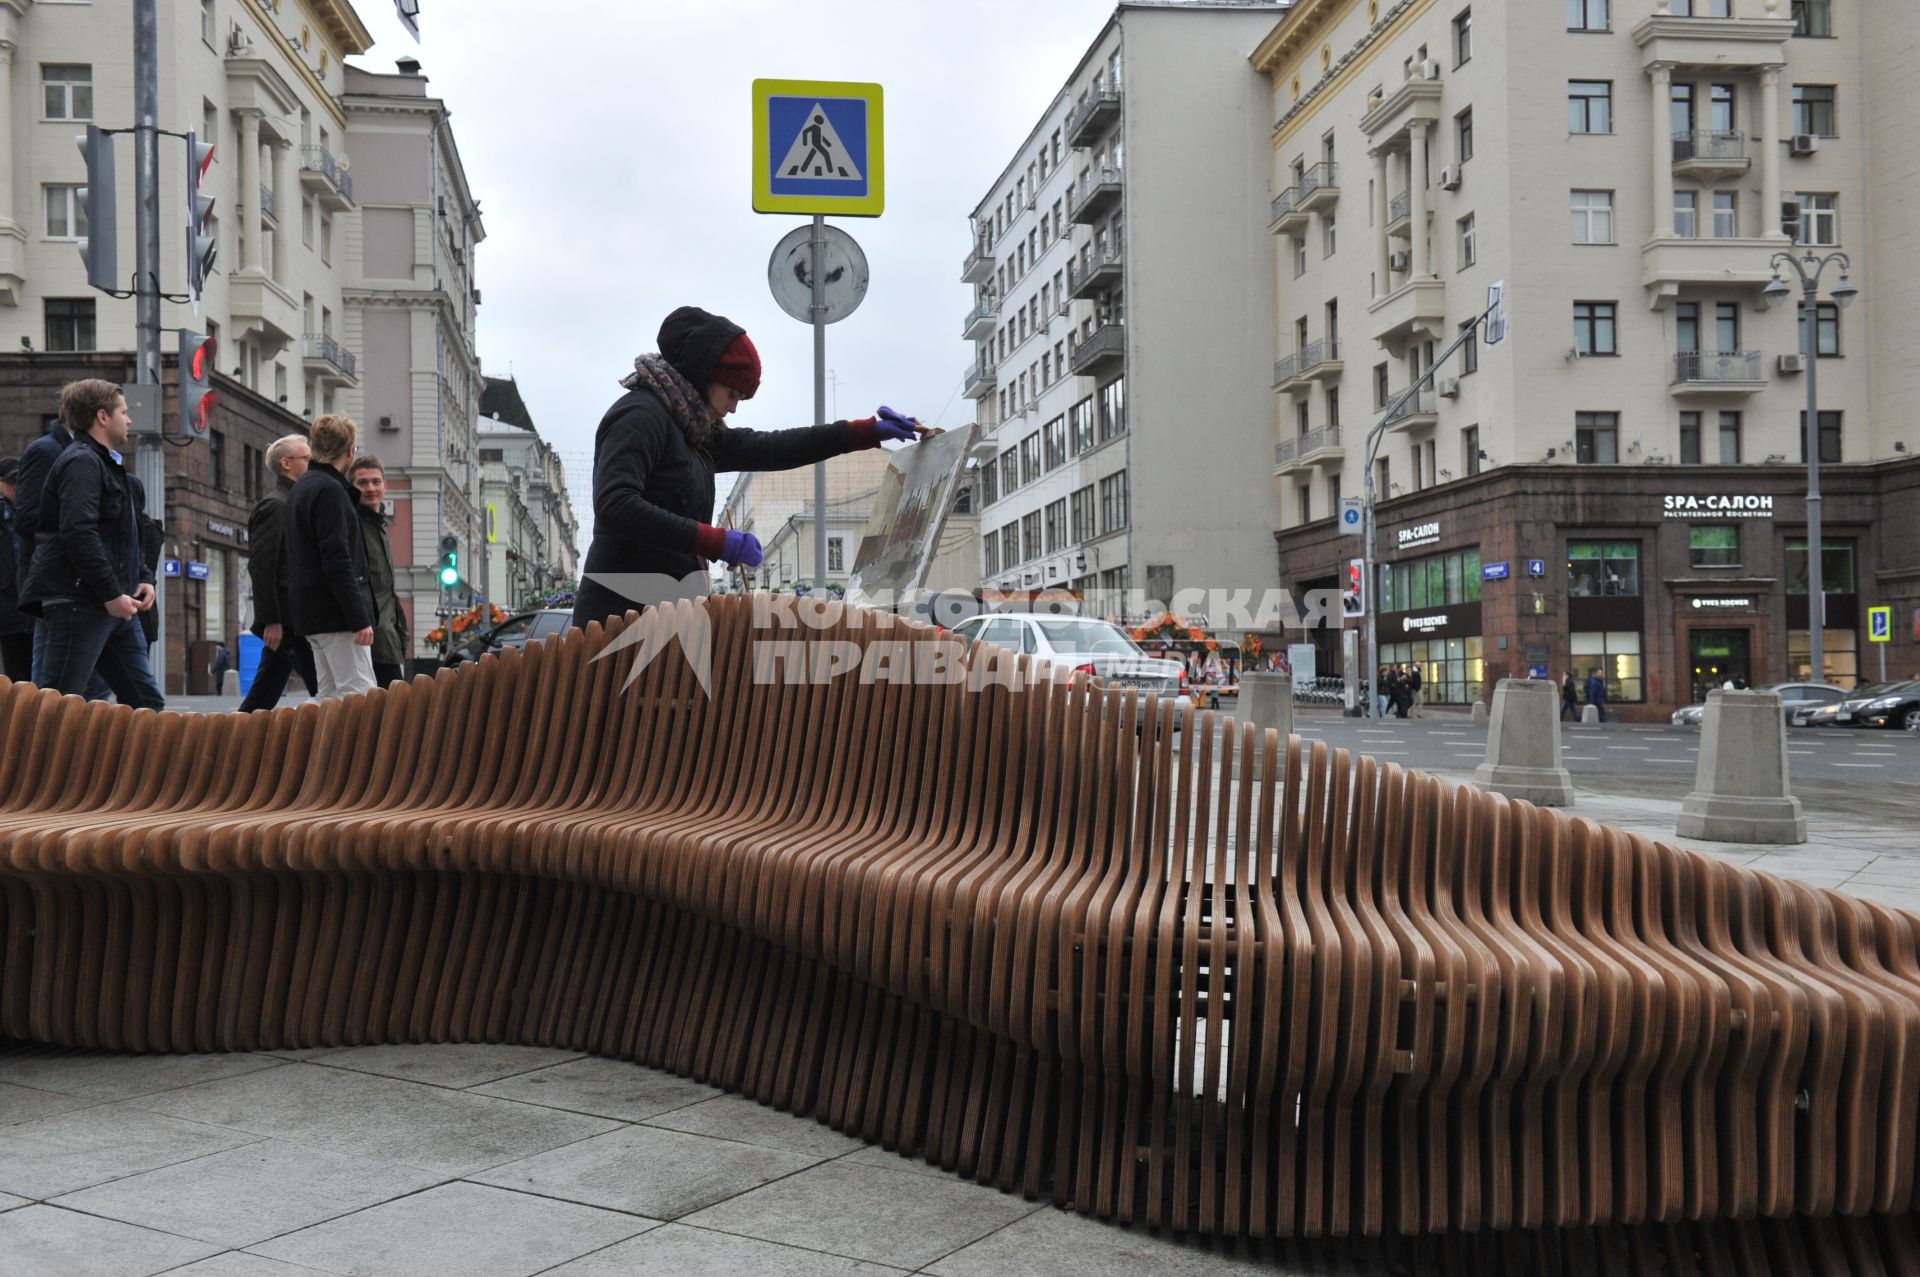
(1797, 702)
(516, 631)
(1895, 705)
(1099, 648)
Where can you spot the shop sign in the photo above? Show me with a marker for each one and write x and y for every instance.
(1419, 534)
(224, 529)
(1719, 506)
(1734, 601)
(1424, 624)
(1493, 572)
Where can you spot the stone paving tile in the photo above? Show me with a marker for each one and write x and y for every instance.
(1057, 1243)
(455, 1064)
(735, 1117)
(465, 1229)
(657, 1173)
(247, 1195)
(886, 1160)
(72, 1151)
(114, 1075)
(674, 1250)
(45, 1241)
(26, 1103)
(448, 1132)
(236, 1264)
(605, 1088)
(9, 1202)
(864, 1212)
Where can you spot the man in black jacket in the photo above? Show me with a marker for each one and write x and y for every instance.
(286, 652)
(16, 627)
(389, 618)
(35, 463)
(660, 445)
(327, 589)
(88, 582)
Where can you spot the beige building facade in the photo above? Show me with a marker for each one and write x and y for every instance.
(776, 506)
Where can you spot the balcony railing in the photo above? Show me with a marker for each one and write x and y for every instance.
(1401, 206)
(981, 379)
(1716, 367)
(1422, 404)
(979, 264)
(978, 318)
(1101, 268)
(1091, 115)
(1283, 203)
(1315, 353)
(315, 158)
(1283, 369)
(266, 204)
(1709, 144)
(1302, 446)
(323, 347)
(1109, 341)
(1322, 176)
(1091, 195)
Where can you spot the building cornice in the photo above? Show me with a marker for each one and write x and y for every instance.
(1344, 69)
(295, 56)
(342, 26)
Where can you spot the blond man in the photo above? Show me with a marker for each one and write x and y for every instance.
(286, 652)
(328, 596)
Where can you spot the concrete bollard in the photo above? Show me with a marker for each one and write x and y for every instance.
(1523, 745)
(230, 684)
(1589, 713)
(1740, 790)
(1266, 701)
(1479, 713)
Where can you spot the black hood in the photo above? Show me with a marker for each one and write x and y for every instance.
(693, 341)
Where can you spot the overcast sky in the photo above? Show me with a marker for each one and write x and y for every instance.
(609, 144)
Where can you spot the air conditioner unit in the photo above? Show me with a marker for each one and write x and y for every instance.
(1429, 70)
(1792, 363)
(1401, 260)
(1063, 308)
(386, 423)
(1804, 144)
(1450, 178)
(236, 43)
(1448, 387)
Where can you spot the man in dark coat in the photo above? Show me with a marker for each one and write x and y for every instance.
(35, 464)
(1597, 692)
(88, 582)
(153, 544)
(16, 627)
(327, 562)
(660, 444)
(285, 652)
(390, 620)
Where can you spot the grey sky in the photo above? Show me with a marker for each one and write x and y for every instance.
(609, 143)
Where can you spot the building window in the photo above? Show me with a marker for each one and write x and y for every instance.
(1617, 654)
(1030, 458)
(1329, 235)
(1594, 327)
(66, 212)
(1452, 671)
(989, 484)
(1590, 106)
(1054, 442)
(1380, 390)
(1836, 565)
(1839, 649)
(1470, 350)
(1080, 419)
(1299, 256)
(1813, 110)
(1726, 205)
(1686, 214)
(1470, 451)
(1713, 545)
(1463, 135)
(1010, 471)
(836, 554)
(1589, 15)
(70, 323)
(217, 460)
(1304, 495)
(1440, 580)
(1593, 217)
(1030, 537)
(1829, 436)
(990, 554)
(1080, 514)
(1056, 525)
(1826, 330)
(1690, 438)
(1703, 8)
(1813, 17)
(306, 220)
(1463, 38)
(1603, 569)
(1596, 438)
(326, 240)
(1113, 502)
(209, 24)
(1819, 219)
(1729, 438)
(66, 92)
(1010, 545)
(1113, 409)
(1469, 242)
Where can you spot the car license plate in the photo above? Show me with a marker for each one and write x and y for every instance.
(1843, 717)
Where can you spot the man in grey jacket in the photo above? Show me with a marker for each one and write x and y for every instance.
(389, 621)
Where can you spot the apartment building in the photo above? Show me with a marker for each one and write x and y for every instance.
(1115, 312)
(777, 507)
(1622, 482)
(532, 537)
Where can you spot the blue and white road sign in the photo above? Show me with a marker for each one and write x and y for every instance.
(1536, 567)
(198, 571)
(1493, 571)
(1352, 515)
(817, 148)
(169, 567)
(1879, 625)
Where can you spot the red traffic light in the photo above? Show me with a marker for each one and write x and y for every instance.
(201, 364)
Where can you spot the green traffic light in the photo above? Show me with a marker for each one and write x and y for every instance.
(449, 574)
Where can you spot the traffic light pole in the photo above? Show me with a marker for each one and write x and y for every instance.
(150, 463)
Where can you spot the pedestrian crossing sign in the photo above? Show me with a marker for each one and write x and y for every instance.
(817, 148)
(1879, 625)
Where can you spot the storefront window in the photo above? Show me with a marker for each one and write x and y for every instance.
(1617, 653)
(1713, 545)
(1603, 568)
(1452, 671)
(1836, 565)
(1441, 581)
(1840, 650)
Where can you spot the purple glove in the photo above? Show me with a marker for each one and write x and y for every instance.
(893, 425)
(742, 550)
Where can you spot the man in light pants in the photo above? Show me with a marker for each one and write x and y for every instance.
(327, 589)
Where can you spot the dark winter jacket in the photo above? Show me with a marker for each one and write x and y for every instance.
(267, 557)
(1596, 690)
(88, 547)
(35, 464)
(390, 622)
(153, 544)
(12, 619)
(327, 590)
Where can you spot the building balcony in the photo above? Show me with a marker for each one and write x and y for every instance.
(1389, 114)
(1093, 117)
(1315, 361)
(1717, 372)
(1097, 191)
(1287, 217)
(1313, 449)
(979, 321)
(982, 378)
(1101, 273)
(1319, 187)
(1722, 44)
(1670, 263)
(329, 360)
(1710, 154)
(1416, 413)
(1417, 307)
(1400, 215)
(1105, 348)
(267, 207)
(323, 174)
(262, 311)
(978, 268)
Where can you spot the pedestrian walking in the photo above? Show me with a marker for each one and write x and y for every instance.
(16, 627)
(1383, 691)
(29, 486)
(218, 667)
(390, 621)
(1597, 692)
(1400, 698)
(659, 447)
(153, 543)
(1413, 689)
(327, 589)
(1569, 698)
(284, 652)
(88, 583)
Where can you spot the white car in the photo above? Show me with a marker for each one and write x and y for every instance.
(1099, 648)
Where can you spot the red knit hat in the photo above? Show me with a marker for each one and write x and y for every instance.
(739, 367)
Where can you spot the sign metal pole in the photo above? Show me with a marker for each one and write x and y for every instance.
(815, 276)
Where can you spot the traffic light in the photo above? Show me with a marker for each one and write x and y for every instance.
(1353, 599)
(197, 395)
(200, 239)
(1790, 220)
(449, 561)
(99, 247)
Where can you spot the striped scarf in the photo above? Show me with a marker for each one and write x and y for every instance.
(683, 402)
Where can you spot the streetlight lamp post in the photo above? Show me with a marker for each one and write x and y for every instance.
(1809, 267)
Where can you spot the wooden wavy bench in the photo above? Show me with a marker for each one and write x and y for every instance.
(1241, 985)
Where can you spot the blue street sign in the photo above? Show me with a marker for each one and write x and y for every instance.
(817, 148)
(169, 567)
(1536, 670)
(1493, 571)
(1536, 567)
(1879, 625)
(199, 571)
